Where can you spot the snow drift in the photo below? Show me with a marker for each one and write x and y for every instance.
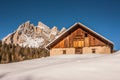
(65, 67)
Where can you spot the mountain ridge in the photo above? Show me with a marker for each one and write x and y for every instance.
(28, 35)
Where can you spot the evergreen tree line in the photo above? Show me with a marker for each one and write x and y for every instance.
(12, 53)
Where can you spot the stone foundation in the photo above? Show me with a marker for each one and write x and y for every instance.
(60, 51)
(85, 50)
(98, 49)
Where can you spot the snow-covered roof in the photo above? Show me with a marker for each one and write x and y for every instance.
(78, 23)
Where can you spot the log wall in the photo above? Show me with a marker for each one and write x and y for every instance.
(79, 37)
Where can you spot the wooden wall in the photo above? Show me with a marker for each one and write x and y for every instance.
(78, 34)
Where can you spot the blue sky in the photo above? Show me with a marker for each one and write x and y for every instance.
(103, 16)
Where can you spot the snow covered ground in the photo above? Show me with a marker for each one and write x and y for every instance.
(65, 67)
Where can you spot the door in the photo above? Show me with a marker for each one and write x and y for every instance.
(64, 51)
(78, 50)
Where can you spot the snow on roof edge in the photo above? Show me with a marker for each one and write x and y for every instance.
(95, 32)
(60, 35)
(73, 26)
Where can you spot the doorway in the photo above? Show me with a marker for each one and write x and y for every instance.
(78, 51)
(64, 51)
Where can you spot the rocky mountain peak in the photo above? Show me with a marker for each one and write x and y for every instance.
(54, 30)
(41, 24)
(62, 30)
(43, 27)
(27, 24)
(28, 35)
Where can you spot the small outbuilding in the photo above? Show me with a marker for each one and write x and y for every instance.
(79, 39)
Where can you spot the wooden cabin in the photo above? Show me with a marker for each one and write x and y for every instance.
(79, 39)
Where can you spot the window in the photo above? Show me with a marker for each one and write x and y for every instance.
(86, 35)
(94, 43)
(93, 51)
(75, 43)
(78, 43)
(64, 51)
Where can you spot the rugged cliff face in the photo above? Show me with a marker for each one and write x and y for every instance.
(28, 35)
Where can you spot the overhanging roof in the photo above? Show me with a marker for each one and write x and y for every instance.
(84, 27)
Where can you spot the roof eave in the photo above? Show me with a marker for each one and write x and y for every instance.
(96, 33)
(48, 45)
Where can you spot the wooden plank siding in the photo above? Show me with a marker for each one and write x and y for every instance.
(87, 39)
(79, 39)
